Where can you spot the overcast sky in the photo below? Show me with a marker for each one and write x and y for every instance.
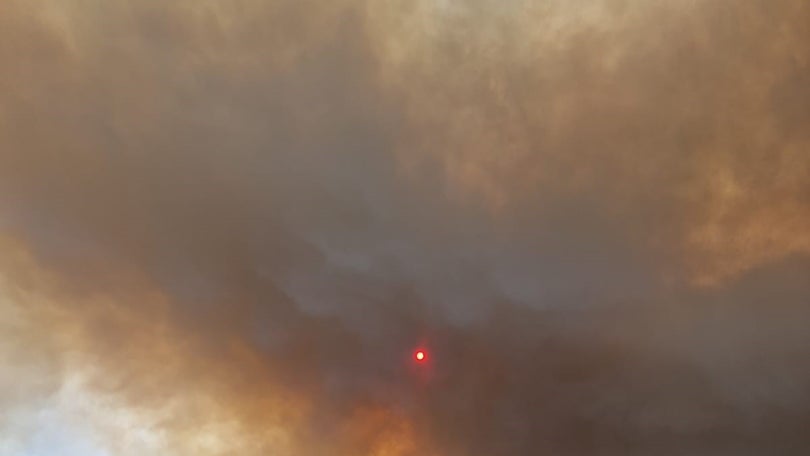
(226, 225)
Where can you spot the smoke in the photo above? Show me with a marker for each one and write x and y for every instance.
(225, 227)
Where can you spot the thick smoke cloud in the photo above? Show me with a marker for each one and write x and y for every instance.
(225, 226)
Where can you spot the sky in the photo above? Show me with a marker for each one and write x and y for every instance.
(226, 226)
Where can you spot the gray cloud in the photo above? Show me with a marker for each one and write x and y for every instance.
(595, 214)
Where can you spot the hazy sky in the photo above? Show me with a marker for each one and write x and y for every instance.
(226, 225)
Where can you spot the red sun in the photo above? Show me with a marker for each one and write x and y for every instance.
(420, 355)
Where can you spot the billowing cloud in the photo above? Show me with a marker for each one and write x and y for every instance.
(226, 225)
